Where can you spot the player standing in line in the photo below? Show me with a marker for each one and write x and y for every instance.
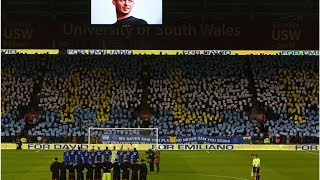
(116, 170)
(107, 166)
(99, 154)
(125, 167)
(114, 155)
(93, 156)
(66, 156)
(54, 168)
(63, 171)
(79, 153)
(80, 168)
(86, 156)
(97, 170)
(143, 170)
(135, 155)
(121, 156)
(72, 172)
(128, 155)
(106, 154)
(72, 156)
(135, 170)
(90, 168)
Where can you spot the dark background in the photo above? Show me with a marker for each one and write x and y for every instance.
(188, 24)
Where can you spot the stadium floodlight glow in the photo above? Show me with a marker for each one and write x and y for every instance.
(128, 136)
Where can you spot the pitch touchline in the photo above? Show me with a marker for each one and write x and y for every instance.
(208, 175)
(313, 153)
(23, 174)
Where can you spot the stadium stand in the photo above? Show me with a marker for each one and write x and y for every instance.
(200, 97)
(289, 91)
(186, 96)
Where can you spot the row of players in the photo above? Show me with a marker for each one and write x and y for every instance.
(93, 170)
(73, 156)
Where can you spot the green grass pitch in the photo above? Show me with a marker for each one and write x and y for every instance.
(182, 165)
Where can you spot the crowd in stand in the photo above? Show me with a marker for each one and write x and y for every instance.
(208, 97)
(289, 90)
(187, 95)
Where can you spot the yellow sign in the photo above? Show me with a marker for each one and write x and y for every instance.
(169, 147)
(191, 52)
(30, 51)
(162, 52)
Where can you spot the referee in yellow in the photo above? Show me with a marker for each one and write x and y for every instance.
(255, 167)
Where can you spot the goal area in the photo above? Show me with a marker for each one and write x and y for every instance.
(123, 138)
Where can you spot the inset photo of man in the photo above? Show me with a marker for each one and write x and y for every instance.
(126, 12)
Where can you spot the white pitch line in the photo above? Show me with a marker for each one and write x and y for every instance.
(24, 174)
(206, 175)
(312, 153)
(208, 152)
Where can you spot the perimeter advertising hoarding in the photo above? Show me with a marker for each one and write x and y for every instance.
(207, 147)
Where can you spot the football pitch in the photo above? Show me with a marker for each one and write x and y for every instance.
(182, 165)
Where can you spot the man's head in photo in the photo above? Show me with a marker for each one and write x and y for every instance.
(123, 7)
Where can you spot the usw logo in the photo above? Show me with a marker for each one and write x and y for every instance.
(286, 34)
(18, 33)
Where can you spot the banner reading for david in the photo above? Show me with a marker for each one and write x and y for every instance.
(140, 139)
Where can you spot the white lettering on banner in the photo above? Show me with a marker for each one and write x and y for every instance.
(187, 139)
(310, 52)
(290, 52)
(144, 139)
(306, 148)
(212, 140)
(110, 52)
(223, 141)
(76, 51)
(217, 52)
(191, 52)
(202, 138)
(8, 51)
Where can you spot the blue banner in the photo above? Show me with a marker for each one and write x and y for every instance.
(141, 139)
